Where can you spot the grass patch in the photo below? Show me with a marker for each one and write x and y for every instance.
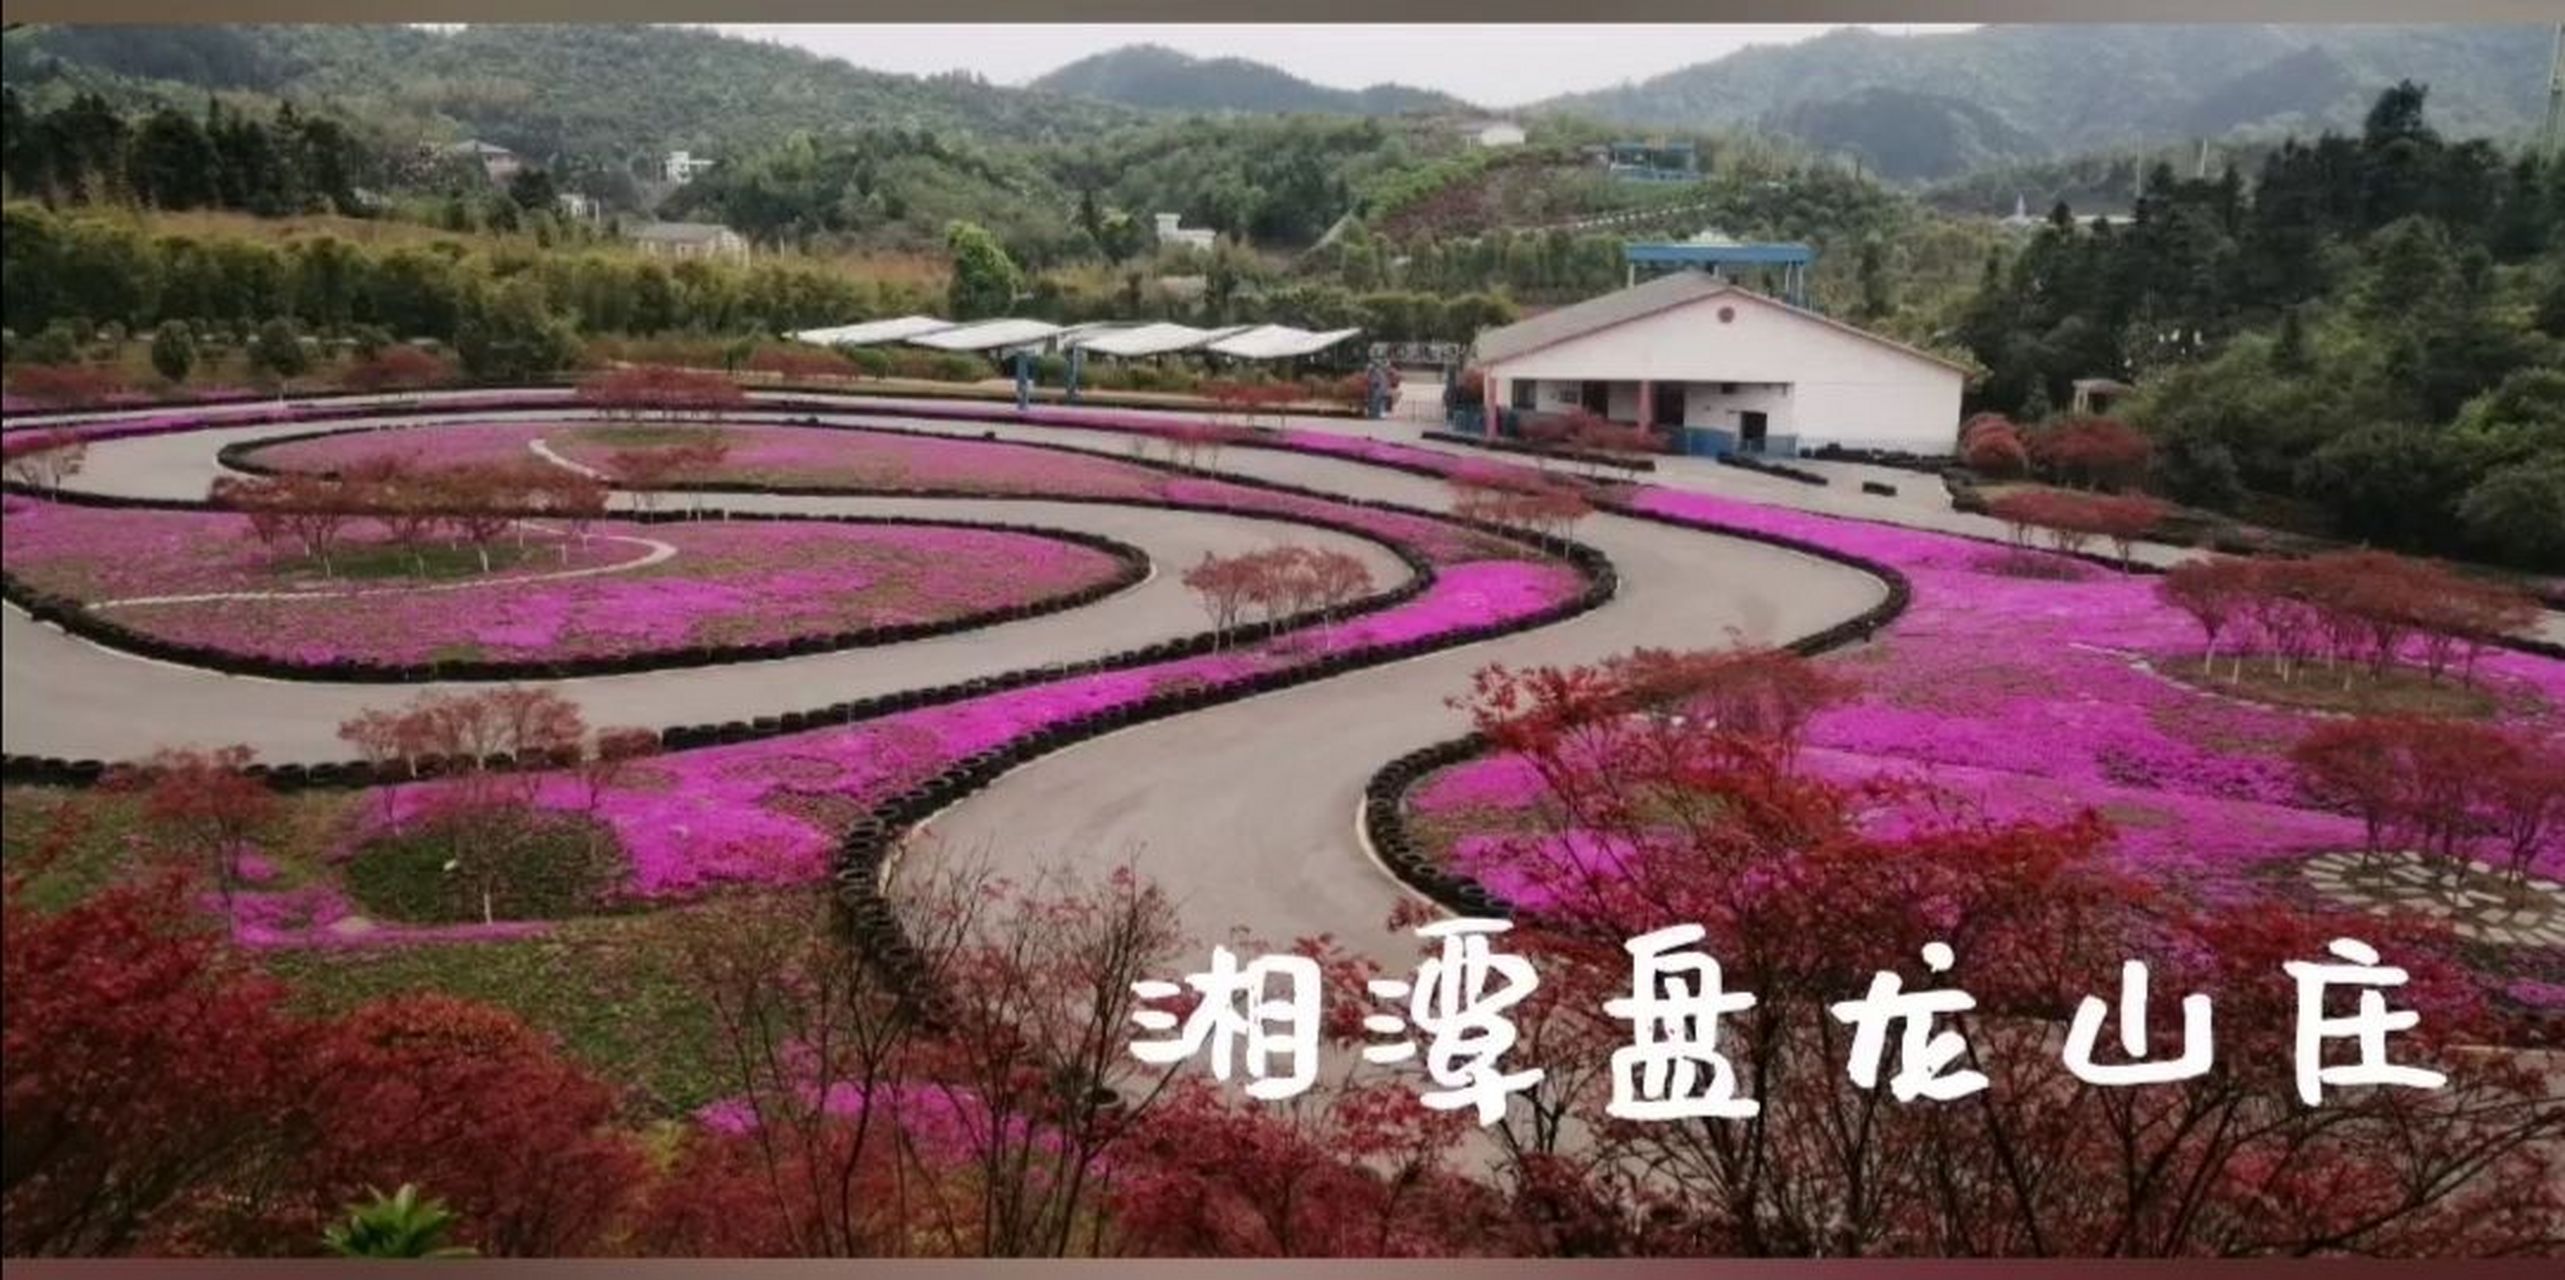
(615, 989)
(440, 562)
(523, 865)
(68, 844)
(72, 843)
(2402, 691)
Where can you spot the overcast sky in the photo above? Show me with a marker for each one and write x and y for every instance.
(1492, 65)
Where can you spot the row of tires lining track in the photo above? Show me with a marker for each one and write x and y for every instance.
(868, 850)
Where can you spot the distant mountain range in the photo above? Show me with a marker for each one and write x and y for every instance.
(1939, 105)
(1159, 78)
(1936, 106)
(1914, 108)
(543, 90)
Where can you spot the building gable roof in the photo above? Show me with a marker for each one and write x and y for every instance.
(1665, 293)
(685, 231)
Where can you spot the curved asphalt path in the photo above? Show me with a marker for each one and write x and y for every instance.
(1245, 814)
(63, 696)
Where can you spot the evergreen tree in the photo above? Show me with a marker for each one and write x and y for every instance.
(985, 280)
(279, 349)
(172, 164)
(173, 350)
(1878, 296)
(507, 334)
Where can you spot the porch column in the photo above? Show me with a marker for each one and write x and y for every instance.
(1488, 407)
(1647, 404)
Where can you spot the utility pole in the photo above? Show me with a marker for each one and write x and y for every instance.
(2552, 137)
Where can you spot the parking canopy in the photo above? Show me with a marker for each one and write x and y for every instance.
(1153, 339)
(873, 332)
(1276, 342)
(1107, 338)
(987, 335)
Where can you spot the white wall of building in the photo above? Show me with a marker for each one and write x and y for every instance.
(1818, 382)
(1711, 404)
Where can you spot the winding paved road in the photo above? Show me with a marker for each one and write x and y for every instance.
(63, 696)
(1245, 813)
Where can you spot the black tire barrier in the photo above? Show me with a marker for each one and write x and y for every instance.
(1385, 793)
(1749, 462)
(1586, 457)
(1931, 464)
(1422, 578)
(867, 916)
(863, 851)
(993, 408)
(1879, 489)
(1131, 567)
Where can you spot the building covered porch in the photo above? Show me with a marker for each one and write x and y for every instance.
(1701, 418)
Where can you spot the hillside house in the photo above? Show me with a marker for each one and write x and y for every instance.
(682, 240)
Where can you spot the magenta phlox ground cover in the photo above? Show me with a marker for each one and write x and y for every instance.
(621, 588)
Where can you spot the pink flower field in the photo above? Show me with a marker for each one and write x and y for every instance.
(862, 461)
(816, 457)
(624, 589)
(766, 813)
(2029, 698)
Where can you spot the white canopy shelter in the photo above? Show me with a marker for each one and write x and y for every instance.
(1276, 342)
(987, 335)
(873, 332)
(1153, 339)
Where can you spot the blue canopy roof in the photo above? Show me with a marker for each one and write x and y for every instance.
(1692, 255)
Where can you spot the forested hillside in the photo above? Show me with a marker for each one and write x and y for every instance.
(2359, 332)
(2374, 327)
(1940, 105)
(1154, 76)
(547, 91)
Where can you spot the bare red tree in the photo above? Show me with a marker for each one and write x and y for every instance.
(204, 810)
(43, 459)
(1225, 586)
(2212, 591)
(1803, 896)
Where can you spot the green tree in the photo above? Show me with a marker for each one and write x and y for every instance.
(533, 190)
(507, 334)
(327, 275)
(2517, 513)
(279, 349)
(985, 280)
(400, 1225)
(173, 350)
(2393, 482)
(172, 164)
(1878, 292)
